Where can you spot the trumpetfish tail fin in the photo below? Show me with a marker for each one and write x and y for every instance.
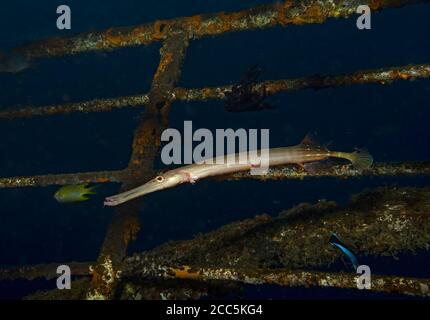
(361, 159)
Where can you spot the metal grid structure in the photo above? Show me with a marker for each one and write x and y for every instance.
(175, 36)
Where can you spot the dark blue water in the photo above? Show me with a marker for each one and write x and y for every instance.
(391, 121)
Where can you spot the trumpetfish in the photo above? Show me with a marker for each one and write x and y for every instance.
(304, 153)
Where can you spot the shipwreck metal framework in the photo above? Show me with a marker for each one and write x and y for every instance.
(175, 36)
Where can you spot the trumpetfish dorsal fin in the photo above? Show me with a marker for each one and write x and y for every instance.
(309, 140)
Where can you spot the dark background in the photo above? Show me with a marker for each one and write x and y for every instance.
(391, 121)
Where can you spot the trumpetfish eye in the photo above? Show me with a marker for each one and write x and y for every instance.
(159, 179)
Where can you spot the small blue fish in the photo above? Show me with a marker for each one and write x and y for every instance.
(335, 241)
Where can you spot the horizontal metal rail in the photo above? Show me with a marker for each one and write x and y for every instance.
(382, 76)
(277, 173)
(288, 12)
(291, 278)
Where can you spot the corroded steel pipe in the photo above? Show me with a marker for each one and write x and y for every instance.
(377, 222)
(96, 105)
(146, 143)
(281, 173)
(45, 271)
(279, 13)
(63, 179)
(383, 221)
(342, 172)
(291, 278)
(382, 76)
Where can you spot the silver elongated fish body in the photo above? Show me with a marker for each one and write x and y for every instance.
(277, 156)
(300, 154)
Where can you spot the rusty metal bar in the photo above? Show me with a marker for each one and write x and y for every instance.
(125, 223)
(46, 271)
(382, 221)
(343, 172)
(382, 76)
(96, 105)
(376, 222)
(63, 179)
(279, 13)
(291, 278)
(283, 277)
(279, 173)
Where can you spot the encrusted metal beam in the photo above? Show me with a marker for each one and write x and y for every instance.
(277, 173)
(279, 13)
(45, 271)
(63, 179)
(292, 278)
(96, 105)
(147, 140)
(419, 287)
(343, 172)
(382, 76)
(267, 249)
(384, 221)
(280, 250)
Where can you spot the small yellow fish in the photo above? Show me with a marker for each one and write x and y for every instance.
(74, 193)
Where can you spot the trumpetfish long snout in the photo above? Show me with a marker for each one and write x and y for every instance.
(306, 152)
